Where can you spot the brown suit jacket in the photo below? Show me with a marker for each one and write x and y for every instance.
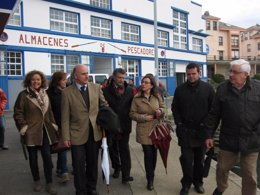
(75, 116)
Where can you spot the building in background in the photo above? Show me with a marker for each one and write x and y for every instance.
(54, 35)
(227, 42)
(250, 42)
(224, 44)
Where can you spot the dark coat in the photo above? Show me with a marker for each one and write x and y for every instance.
(239, 112)
(190, 107)
(108, 120)
(55, 99)
(121, 105)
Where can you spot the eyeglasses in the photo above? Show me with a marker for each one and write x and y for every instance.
(235, 72)
(146, 82)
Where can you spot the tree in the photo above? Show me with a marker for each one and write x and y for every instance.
(256, 76)
(218, 78)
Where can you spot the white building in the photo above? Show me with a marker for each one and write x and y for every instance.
(52, 35)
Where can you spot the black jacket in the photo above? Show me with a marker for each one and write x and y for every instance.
(55, 99)
(120, 104)
(239, 112)
(190, 107)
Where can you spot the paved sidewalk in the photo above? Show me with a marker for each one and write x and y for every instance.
(16, 178)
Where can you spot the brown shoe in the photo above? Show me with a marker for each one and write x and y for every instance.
(65, 178)
(50, 189)
(37, 186)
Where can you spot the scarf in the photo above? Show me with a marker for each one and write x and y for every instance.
(39, 95)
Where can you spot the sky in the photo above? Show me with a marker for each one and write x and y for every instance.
(242, 13)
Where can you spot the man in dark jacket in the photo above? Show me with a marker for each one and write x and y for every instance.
(190, 106)
(237, 105)
(119, 97)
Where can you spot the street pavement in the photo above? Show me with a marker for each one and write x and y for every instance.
(16, 179)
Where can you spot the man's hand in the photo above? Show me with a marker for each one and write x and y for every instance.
(209, 143)
(67, 143)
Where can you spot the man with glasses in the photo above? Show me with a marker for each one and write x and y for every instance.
(191, 104)
(237, 105)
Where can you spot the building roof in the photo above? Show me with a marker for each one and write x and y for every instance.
(207, 16)
(226, 26)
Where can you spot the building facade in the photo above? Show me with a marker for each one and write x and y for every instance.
(224, 44)
(54, 35)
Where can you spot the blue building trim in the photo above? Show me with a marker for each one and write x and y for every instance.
(198, 33)
(196, 3)
(180, 10)
(37, 30)
(109, 12)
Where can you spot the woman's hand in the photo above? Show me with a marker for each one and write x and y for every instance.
(148, 117)
(158, 113)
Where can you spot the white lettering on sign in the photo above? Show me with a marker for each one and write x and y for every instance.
(43, 40)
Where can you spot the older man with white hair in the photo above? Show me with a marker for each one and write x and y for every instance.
(237, 105)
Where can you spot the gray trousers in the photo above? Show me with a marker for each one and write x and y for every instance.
(248, 164)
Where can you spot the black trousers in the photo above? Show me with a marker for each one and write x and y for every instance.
(192, 163)
(120, 154)
(85, 164)
(46, 157)
(150, 159)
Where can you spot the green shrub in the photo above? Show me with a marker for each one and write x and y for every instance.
(218, 78)
(257, 77)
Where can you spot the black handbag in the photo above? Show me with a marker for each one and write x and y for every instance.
(58, 146)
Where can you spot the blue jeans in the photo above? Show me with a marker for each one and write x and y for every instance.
(62, 162)
(2, 131)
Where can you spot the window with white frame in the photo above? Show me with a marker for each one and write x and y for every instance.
(131, 67)
(180, 30)
(197, 44)
(71, 61)
(15, 19)
(220, 41)
(162, 69)
(100, 3)
(10, 63)
(57, 63)
(162, 38)
(130, 32)
(248, 47)
(208, 27)
(63, 63)
(101, 27)
(64, 21)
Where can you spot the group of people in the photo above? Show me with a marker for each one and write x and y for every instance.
(197, 110)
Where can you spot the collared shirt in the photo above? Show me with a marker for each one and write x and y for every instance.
(79, 86)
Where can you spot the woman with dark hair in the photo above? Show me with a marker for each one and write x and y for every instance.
(57, 84)
(146, 107)
(35, 121)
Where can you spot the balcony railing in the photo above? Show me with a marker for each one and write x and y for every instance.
(228, 58)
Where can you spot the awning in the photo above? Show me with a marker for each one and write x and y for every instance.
(6, 10)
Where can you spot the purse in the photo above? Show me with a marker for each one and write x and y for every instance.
(58, 146)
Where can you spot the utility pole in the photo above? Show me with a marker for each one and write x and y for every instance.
(155, 41)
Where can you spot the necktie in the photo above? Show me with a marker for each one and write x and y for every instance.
(83, 88)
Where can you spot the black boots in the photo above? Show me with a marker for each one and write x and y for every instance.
(216, 192)
(150, 186)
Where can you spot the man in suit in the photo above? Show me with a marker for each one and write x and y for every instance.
(80, 105)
